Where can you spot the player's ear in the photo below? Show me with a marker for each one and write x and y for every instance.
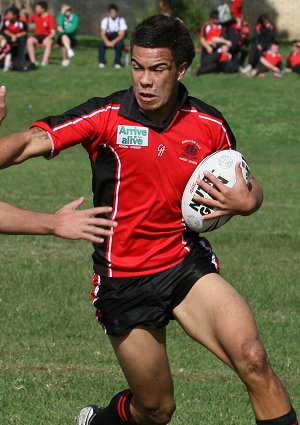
(181, 70)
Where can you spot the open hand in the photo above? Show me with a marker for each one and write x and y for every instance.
(71, 223)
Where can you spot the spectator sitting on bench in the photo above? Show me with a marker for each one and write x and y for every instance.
(45, 29)
(113, 31)
(67, 25)
(15, 32)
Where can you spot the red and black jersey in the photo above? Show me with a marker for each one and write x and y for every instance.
(224, 56)
(14, 27)
(140, 169)
(274, 59)
(209, 31)
(293, 59)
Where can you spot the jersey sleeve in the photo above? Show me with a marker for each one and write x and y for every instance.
(80, 125)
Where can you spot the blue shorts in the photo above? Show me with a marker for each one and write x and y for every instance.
(124, 303)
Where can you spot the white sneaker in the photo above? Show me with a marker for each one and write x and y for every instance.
(65, 62)
(246, 69)
(101, 65)
(117, 66)
(70, 53)
(87, 414)
(6, 69)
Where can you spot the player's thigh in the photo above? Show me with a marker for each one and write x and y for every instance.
(215, 314)
(143, 358)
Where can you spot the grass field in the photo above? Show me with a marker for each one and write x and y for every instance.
(54, 358)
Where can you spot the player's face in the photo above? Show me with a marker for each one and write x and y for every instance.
(155, 79)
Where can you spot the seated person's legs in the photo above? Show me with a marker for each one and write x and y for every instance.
(119, 49)
(47, 43)
(101, 52)
(31, 42)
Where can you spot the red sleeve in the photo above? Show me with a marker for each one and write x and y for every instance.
(203, 30)
(80, 125)
(52, 23)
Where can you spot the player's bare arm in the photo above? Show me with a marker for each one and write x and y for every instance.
(19, 147)
(68, 222)
(240, 199)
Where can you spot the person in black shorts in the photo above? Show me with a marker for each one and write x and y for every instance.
(144, 143)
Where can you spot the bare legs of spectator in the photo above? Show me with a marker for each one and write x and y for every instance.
(67, 51)
(7, 63)
(31, 42)
(47, 43)
(47, 50)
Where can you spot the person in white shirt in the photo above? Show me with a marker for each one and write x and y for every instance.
(112, 31)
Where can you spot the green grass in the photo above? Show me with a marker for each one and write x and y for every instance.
(54, 358)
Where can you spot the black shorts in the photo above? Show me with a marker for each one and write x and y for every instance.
(40, 38)
(73, 40)
(124, 303)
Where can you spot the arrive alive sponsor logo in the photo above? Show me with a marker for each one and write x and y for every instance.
(130, 135)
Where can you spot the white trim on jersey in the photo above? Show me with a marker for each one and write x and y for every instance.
(98, 111)
(115, 210)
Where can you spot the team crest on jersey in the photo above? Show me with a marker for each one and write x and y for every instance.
(131, 135)
(189, 151)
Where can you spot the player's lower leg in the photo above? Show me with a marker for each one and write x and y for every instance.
(116, 413)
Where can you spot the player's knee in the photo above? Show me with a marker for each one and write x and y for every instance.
(160, 415)
(254, 361)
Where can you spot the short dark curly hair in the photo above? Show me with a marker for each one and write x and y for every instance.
(161, 31)
(42, 4)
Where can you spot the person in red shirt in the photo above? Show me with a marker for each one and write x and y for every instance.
(143, 143)
(265, 35)
(45, 29)
(211, 36)
(237, 9)
(219, 61)
(270, 61)
(293, 58)
(15, 31)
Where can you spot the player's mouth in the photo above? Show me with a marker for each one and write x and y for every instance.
(147, 97)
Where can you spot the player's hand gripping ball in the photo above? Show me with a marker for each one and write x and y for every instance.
(222, 165)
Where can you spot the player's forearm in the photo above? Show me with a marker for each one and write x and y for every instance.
(12, 148)
(205, 43)
(16, 221)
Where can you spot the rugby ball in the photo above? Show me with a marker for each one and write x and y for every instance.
(222, 165)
